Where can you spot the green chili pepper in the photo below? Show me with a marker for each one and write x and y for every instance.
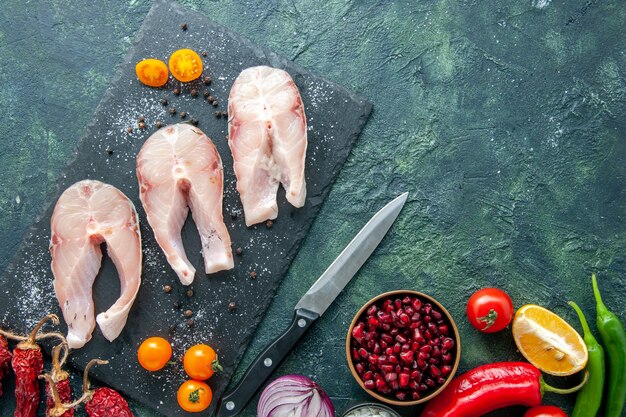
(589, 398)
(613, 337)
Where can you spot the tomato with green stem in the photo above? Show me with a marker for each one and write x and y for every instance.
(194, 396)
(490, 310)
(200, 362)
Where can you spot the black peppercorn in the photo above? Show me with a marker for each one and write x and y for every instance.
(164, 102)
(184, 26)
(214, 103)
(183, 114)
(188, 313)
(252, 274)
(233, 215)
(210, 98)
(109, 151)
(207, 80)
(141, 119)
(232, 306)
(172, 111)
(203, 53)
(177, 91)
(129, 129)
(269, 224)
(167, 289)
(218, 114)
(176, 306)
(159, 124)
(189, 293)
(194, 93)
(189, 323)
(239, 251)
(141, 125)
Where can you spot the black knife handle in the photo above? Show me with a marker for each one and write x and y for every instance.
(233, 402)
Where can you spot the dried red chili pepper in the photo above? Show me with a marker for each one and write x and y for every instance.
(60, 379)
(489, 387)
(27, 363)
(5, 360)
(101, 402)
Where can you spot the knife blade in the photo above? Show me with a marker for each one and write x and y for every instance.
(312, 305)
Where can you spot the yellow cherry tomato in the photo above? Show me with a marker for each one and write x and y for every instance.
(200, 362)
(154, 353)
(194, 396)
(185, 65)
(152, 72)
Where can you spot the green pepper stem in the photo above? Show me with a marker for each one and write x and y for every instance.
(581, 317)
(563, 391)
(596, 292)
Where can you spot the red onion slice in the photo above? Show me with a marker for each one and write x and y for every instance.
(294, 396)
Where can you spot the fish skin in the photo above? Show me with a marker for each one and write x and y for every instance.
(267, 136)
(179, 168)
(87, 214)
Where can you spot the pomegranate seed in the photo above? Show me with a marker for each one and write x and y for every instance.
(381, 385)
(446, 358)
(427, 334)
(427, 319)
(400, 339)
(397, 303)
(394, 331)
(372, 310)
(373, 322)
(359, 368)
(377, 348)
(355, 354)
(382, 359)
(363, 353)
(405, 347)
(448, 343)
(416, 318)
(443, 329)
(413, 326)
(386, 337)
(422, 364)
(418, 337)
(394, 385)
(407, 356)
(357, 331)
(385, 326)
(426, 349)
(368, 375)
(385, 317)
(434, 371)
(423, 387)
(374, 368)
(383, 345)
(370, 344)
(409, 311)
(393, 359)
(386, 368)
(427, 308)
(404, 319)
(415, 395)
(445, 370)
(388, 306)
(391, 376)
(433, 361)
(417, 304)
(415, 346)
(430, 382)
(401, 395)
(423, 355)
(406, 300)
(397, 347)
(416, 375)
(413, 384)
(389, 351)
(369, 336)
(398, 369)
(369, 384)
(436, 315)
(372, 359)
(441, 380)
(432, 327)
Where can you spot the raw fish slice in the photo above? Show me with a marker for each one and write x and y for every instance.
(87, 214)
(179, 168)
(268, 140)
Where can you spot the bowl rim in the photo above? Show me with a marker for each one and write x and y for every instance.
(457, 340)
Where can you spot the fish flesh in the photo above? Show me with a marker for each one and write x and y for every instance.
(267, 136)
(86, 215)
(178, 169)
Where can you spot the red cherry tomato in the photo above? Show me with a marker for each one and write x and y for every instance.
(545, 411)
(490, 310)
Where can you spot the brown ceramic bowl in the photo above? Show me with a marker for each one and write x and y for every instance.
(453, 333)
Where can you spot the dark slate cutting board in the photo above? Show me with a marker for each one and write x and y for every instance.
(335, 118)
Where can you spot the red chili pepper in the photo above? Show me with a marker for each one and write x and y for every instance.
(60, 379)
(5, 360)
(101, 402)
(27, 364)
(545, 411)
(489, 387)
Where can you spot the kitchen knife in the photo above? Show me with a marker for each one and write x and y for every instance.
(311, 306)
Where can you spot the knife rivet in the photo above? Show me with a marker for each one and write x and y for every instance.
(302, 322)
(267, 362)
(230, 406)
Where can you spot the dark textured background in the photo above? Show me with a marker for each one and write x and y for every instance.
(504, 122)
